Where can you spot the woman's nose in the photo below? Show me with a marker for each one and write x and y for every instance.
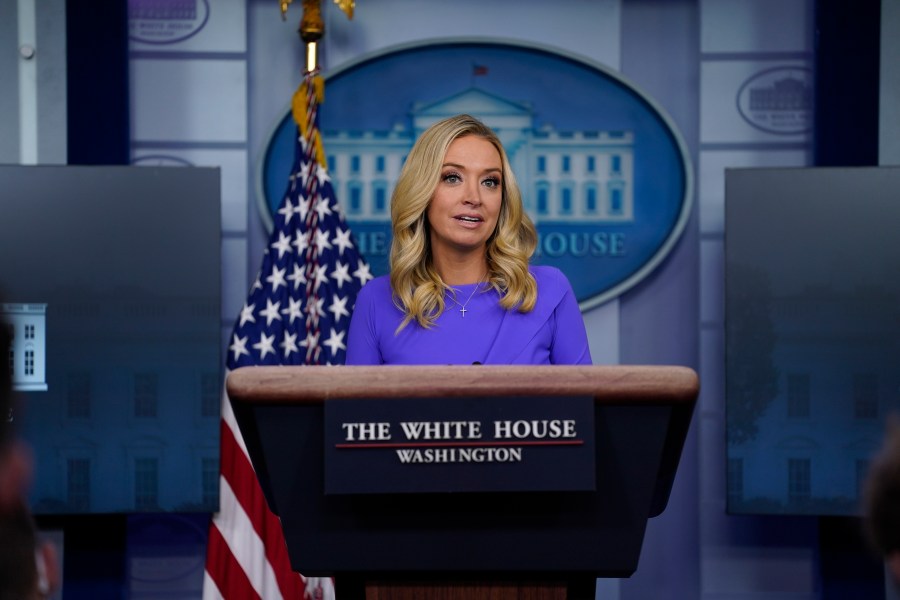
(473, 193)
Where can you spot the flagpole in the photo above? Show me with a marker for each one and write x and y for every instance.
(247, 556)
(312, 28)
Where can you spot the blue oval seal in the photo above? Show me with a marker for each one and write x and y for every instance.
(604, 172)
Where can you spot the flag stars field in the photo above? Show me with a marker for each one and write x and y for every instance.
(322, 242)
(342, 240)
(341, 274)
(294, 309)
(283, 245)
(239, 346)
(335, 341)
(286, 211)
(265, 345)
(298, 277)
(362, 273)
(247, 314)
(322, 208)
(339, 308)
(276, 278)
(270, 312)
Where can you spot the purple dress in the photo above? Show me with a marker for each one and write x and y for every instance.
(552, 333)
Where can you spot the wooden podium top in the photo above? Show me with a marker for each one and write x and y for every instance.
(607, 384)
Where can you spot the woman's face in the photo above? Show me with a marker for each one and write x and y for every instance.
(465, 206)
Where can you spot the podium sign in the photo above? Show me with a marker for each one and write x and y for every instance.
(478, 444)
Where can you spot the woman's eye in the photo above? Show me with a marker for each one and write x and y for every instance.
(491, 182)
(451, 178)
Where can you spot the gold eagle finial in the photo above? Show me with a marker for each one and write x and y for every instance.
(346, 6)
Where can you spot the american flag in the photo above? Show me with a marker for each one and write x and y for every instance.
(297, 313)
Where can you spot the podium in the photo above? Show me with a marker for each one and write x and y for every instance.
(498, 545)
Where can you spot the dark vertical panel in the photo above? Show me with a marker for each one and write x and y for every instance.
(850, 569)
(97, 87)
(847, 54)
(94, 554)
(847, 74)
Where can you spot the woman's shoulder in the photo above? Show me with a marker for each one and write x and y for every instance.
(545, 274)
(552, 284)
(375, 290)
(382, 282)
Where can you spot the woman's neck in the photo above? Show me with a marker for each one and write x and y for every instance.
(462, 272)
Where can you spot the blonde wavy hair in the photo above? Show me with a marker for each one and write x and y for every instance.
(418, 290)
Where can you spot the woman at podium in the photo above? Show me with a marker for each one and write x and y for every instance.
(461, 289)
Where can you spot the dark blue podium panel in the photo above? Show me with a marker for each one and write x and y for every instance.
(596, 532)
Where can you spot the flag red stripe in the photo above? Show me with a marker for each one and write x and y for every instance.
(225, 570)
(238, 472)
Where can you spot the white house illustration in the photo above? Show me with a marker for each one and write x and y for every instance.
(565, 176)
(27, 356)
(837, 380)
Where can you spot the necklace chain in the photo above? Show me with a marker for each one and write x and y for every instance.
(462, 307)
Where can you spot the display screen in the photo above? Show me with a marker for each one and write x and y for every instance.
(812, 305)
(110, 282)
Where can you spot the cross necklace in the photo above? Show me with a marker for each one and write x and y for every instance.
(462, 307)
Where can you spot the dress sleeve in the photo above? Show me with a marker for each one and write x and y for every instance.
(570, 344)
(362, 340)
